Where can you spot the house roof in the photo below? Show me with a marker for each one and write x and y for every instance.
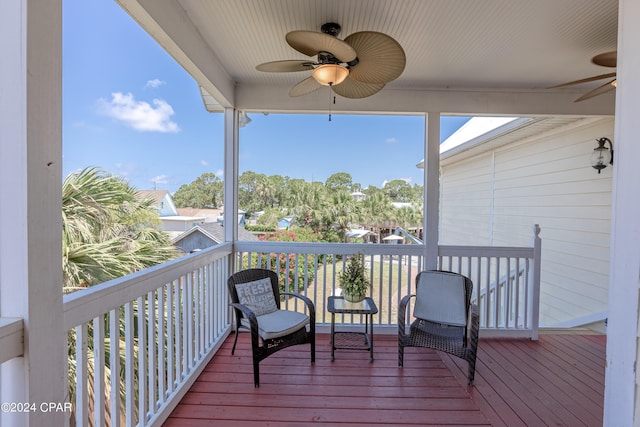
(200, 212)
(214, 231)
(487, 57)
(485, 133)
(155, 195)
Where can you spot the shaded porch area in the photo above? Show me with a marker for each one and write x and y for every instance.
(557, 380)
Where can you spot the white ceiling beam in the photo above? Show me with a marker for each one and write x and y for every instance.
(167, 22)
(450, 101)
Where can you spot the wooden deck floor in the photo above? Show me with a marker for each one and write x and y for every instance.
(556, 381)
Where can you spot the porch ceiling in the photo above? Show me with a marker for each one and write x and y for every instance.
(465, 57)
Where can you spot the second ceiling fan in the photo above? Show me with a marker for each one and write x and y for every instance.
(356, 67)
(608, 59)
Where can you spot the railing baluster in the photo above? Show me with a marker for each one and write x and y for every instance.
(187, 319)
(130, 385)
(82, 379)
(98, 371)
(162, 359)
(170, 330)
(142, 365)
(151, 351)
(114, 367)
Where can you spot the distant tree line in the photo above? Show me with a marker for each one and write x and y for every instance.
(325, 208)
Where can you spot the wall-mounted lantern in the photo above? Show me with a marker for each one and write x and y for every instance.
(602, 156)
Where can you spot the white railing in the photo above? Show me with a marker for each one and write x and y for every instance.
(139, 342)
(136, 344)
(11, 338)
(509, 306)
(506, 285)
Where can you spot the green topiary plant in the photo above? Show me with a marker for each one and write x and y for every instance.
(353, 279)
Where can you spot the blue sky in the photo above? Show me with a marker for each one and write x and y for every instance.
(131, 110)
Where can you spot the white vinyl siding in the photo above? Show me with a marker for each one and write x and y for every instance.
(465, 202)
(547, 181)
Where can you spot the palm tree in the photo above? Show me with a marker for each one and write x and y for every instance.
(108, 230)
(374, 209)
(342, 210)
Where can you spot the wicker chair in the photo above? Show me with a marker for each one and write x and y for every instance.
(271, 328)
(445, 319)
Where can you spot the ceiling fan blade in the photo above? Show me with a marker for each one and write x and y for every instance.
(588, 79)
(305, 87)
(285, 66)
(381, 59)
(351, 88)
(312, 42)
(608, 59)
(598, 91)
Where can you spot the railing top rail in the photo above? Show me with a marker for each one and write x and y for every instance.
(486, 251)
(81, 306)
(381, 249)
(329, 248)
(11, 338)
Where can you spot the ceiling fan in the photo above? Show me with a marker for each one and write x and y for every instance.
(608, 59)
(356, 67)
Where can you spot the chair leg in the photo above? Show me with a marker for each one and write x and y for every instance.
(235, 341)
(256, 373)
(313, 350)
(472, 369)
(400, 354)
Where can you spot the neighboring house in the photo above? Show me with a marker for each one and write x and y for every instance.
(163, 200)
(285, 223)
(175, 225)
(205, 235)
(496, 186)
(358, 195)
(209, 214)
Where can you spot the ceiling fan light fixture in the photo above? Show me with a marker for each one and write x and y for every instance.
(330, 74)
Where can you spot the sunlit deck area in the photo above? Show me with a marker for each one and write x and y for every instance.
(555, 381)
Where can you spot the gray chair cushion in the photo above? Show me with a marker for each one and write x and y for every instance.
(440, 298)
(279, 323)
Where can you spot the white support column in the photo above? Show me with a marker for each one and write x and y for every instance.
(30, 212)
(431, 189)
(621, 383)
(231, 174)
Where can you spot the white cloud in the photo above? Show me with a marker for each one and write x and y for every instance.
(392, 140)
(140, 115)
(219, 173)
(204, 163)
(154, 83)
(160, 179)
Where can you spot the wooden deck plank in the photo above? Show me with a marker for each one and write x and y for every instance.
(537, 378)
(518, 383)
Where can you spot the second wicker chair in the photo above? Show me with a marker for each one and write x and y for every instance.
(445, 319)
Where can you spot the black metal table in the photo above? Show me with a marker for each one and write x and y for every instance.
(352, 340)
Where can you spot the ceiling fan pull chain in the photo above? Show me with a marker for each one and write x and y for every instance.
(334, 99)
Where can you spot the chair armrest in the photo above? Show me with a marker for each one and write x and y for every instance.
(402, 312)
(307, 301)
(248, 313)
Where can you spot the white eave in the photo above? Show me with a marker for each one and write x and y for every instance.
(477, 131)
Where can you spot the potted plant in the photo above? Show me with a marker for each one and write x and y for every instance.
(353, 279)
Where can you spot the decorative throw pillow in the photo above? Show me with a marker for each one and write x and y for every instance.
(258, 296)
